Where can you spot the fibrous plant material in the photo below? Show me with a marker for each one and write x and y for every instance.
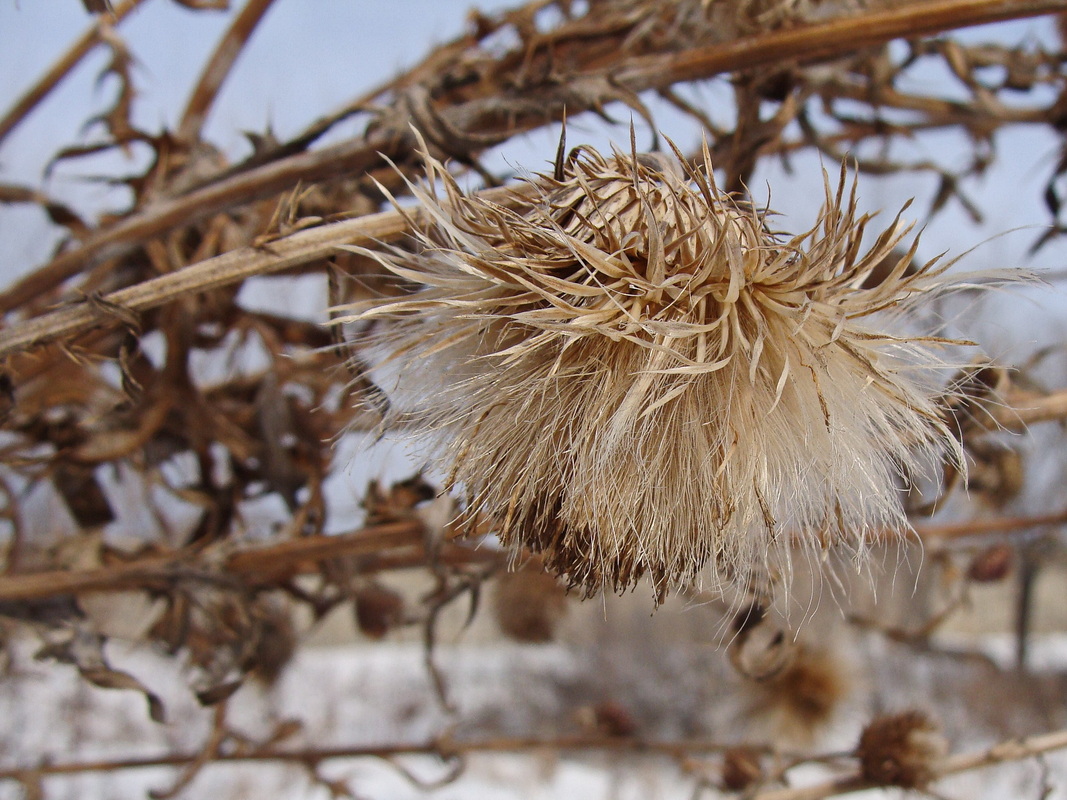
(630, 373)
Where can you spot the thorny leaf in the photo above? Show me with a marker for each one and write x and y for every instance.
(57, 212)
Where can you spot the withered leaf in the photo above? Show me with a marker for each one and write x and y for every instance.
(85, 650)
(107, 678)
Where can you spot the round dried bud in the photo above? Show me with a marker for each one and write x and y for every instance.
(528, 603)
(379, 609)
(741, 767)
(901, 750)
(810, 689)
(614, 719)
(629, 373)
(992, 564)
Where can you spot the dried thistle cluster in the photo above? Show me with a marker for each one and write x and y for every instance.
(630, 373)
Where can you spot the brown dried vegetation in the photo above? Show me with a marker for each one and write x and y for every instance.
(126, 390)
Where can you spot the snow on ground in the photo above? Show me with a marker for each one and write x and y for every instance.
(360, 695)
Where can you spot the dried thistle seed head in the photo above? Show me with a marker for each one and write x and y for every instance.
(901, 750)
(630, 374)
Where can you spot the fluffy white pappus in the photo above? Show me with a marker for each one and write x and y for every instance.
(626, 371)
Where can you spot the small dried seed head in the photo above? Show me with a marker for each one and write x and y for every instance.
(529, 603)
(629, 373)
(901, 750)
(993, 564)
(378, 609)
(800, 700)
(995, 472)
(275, 640)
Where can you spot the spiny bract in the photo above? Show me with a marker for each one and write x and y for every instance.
(626, 371)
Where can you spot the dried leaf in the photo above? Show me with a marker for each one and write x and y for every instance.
(81, 491)
(107, 678)
(216, 694)
(85, 650)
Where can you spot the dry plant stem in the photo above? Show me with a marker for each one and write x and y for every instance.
(957, 530)
(126, 235)
(222, 270)
(262, 564)
(1008, 751)
(807, 44)
(1022, 409)
(443, 748)
(832, 39)
(381, 545)
(86, 42)
(1012, 750)
(229, 268)
(218, 68)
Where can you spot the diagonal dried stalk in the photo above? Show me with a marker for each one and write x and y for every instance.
(223, 270)
(218, 68)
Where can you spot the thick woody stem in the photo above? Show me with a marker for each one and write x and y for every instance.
(383, 545)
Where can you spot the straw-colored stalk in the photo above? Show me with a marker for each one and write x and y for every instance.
(631, 374)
